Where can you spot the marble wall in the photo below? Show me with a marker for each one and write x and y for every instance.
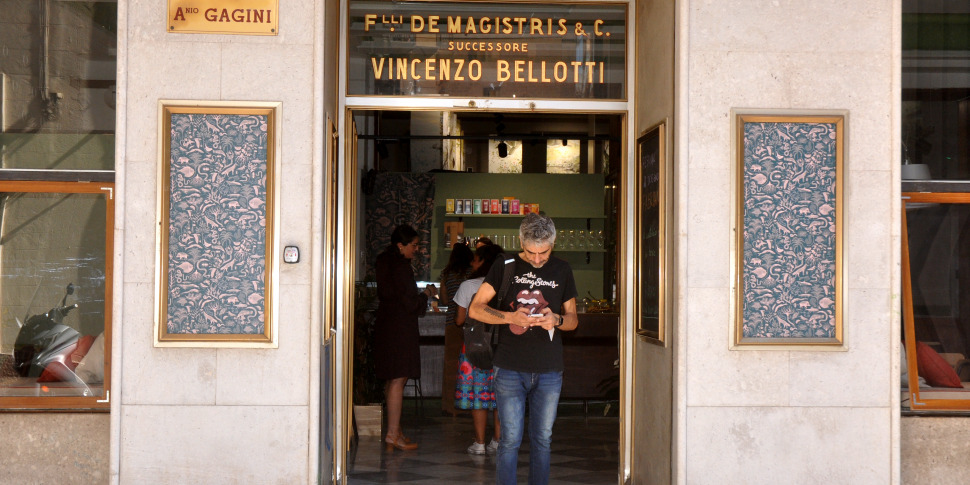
(193, 415)
(783, 416)
(54, 447)
(934, 450)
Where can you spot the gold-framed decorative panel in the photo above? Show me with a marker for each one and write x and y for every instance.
(651, 234)
(789, 230)
(218, 211)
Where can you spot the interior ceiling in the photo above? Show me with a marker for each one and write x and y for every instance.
(398, 123)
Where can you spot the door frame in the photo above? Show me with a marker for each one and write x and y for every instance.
(347, 209)
(347, 227)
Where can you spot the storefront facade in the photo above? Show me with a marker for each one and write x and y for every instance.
(697, 404)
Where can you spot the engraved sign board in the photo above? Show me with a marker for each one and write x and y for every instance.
(247, 17)
(493, 50)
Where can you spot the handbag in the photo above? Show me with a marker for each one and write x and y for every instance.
(481, 338)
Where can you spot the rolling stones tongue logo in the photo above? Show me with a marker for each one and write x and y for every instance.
(534, 301)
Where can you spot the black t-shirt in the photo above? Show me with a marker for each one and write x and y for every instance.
(537, 288)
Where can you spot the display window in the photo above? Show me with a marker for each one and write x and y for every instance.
(936, 312)
(57, 155)
(935, 156)
(55, 312)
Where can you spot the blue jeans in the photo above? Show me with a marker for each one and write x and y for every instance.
(512, 391)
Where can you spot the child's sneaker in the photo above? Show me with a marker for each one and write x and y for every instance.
(492, 447)
(476, 449)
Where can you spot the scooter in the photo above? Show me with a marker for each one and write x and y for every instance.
(44, 346)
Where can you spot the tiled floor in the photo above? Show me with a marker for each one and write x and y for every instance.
(584, 450)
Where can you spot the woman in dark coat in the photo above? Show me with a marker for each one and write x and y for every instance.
(396, 351)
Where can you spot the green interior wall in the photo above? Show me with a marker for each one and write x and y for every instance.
(575, 202)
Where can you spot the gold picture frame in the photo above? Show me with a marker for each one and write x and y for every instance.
(788, 247)
(650, 212)
(217, 269)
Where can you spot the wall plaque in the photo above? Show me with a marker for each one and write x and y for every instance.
(252, 17)
(476, 49)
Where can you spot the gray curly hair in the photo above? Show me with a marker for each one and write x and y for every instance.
(537, 229)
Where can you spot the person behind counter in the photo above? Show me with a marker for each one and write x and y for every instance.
(483, 241)
(396, 351)
(528, 362)
(473, 389)
(456, 271)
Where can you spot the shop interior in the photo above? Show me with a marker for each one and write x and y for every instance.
(461, 176)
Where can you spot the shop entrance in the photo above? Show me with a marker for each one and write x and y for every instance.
(459, 176)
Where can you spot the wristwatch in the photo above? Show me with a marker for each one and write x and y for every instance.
(559, 323)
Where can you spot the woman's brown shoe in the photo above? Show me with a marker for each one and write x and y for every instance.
(399, 442)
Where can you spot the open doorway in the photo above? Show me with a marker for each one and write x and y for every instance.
(460, 176)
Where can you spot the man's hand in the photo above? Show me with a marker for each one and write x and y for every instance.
(521, 318)
(548, 320)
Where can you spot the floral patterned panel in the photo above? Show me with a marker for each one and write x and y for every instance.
(217, 224)
(396, 198)
(789, 230)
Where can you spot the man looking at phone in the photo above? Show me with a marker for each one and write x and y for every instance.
(528, 362)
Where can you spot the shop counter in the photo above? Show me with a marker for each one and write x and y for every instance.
(589, 353)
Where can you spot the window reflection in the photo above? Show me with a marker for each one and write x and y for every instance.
(57, 64)
(52, 294)
(936, 90)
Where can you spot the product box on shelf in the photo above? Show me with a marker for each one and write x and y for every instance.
(449, 206)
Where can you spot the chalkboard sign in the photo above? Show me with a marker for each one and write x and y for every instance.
(650, 233)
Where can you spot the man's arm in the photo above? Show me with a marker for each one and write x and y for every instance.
(479, 310)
